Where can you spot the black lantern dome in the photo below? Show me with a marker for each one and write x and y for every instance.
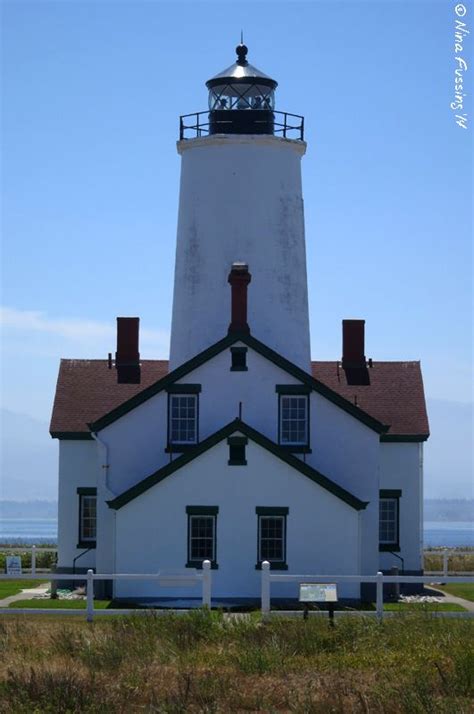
(241, 99)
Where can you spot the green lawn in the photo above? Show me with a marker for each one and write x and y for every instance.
(39, 603)
(464, 590)
(13, 587)
(424, 607)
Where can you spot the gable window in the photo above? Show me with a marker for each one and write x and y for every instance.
(183, 415)
(87, 517)
(239, 359)
(389, 520)
(293, 410)
(202, 522)
(237, 456)
(271, 539)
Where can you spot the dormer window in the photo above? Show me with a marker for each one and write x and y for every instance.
(183, 416)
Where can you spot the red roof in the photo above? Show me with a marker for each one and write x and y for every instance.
(394, 394)
(88, 389)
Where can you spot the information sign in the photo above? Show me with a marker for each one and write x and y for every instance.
(13, 564)
(318, 592)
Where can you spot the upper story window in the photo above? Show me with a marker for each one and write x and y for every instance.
(293, 415)
(87, 517)
(389, 520)
(183, 414)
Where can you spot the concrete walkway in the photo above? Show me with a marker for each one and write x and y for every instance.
(26, 594)
(447, 597)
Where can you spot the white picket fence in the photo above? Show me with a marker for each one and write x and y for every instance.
(269, 577)
(190, 578)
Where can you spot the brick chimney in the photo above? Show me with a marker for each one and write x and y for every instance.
(127, 357)
(239, 278)
(353, 343)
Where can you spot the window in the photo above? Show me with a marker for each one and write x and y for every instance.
(272, 536)
(201, 535)
(87, 517)
(183, 416)
(237, 446)
(239, 359)
(293, 415)
(389, 520)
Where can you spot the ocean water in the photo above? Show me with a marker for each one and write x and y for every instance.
(45, 530)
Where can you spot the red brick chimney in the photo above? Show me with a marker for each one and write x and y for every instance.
(239, 278)
(127, 357)
(353, 343)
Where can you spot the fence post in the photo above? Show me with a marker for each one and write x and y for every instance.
(206, 583)
(265, 587)
(33, 560)
(379, 596)
(445, 562)
(90, 595)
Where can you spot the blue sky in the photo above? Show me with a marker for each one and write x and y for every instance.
(92, 92)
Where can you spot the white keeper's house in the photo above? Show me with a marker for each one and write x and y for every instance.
(241, 448)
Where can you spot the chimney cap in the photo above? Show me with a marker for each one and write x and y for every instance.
(240, 266)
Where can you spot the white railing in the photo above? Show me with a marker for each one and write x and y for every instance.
(190, 578)
(380, 579)
(34, 550)
(446, 554)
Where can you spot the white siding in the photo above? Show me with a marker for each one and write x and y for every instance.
(151, 530)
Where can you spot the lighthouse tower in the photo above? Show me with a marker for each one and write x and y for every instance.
(241, 202)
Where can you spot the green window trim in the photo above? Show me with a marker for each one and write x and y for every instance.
(392, 495)
(239, 359)
(298, 448)
(204, 511)
(184, 389)
(279, 512)
(176, 447)
(86, 492)
(293, 389)
(237, 450)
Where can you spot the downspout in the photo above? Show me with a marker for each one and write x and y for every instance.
(420, 476)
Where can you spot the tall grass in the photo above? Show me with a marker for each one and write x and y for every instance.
(208, 662)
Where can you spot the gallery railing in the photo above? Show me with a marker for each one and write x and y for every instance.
(290, 126)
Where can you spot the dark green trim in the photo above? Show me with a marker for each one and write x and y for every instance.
(237, 352)
(389, 548)
(399, 438)
(86, 491)
(179, 448)
(217, 348)
(72, 435)
(202, 510)
(272, 510)
(396, 494)
(237, 441)
(253, 435)
(184, 389)
(273, 566)
(198, 564)
(296, 449)
(237, 462)
(86, 544)
(293, 389)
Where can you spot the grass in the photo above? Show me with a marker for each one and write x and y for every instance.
(13, 587)
(206, 662)
(424, 607)
(47, 603)
(464, 590)
(456, 563)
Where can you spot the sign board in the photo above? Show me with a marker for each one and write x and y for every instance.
(13, 563)
(318, 592)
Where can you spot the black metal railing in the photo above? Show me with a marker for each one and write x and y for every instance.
(290, 126)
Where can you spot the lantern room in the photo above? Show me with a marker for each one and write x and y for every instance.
(241, 99)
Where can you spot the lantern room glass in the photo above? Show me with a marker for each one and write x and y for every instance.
(241, 97)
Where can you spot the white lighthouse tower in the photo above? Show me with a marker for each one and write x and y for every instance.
(241, 201)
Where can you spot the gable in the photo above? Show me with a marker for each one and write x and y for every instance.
(236, 427)
(269, 354)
